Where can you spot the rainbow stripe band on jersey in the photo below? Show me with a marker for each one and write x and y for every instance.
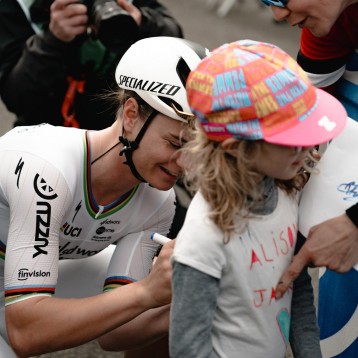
(116, 281)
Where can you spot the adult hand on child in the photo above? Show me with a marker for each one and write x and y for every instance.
(332, 243)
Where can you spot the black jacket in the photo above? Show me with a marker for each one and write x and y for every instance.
(34, 68)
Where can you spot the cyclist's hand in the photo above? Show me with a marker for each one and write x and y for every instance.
(159, 280)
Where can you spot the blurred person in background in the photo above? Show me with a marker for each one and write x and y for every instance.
(329, 44)
(331, 61)
(342, 231)
(58, 56)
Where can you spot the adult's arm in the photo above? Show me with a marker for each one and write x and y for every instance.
(192, 312)
(43, 324)
(140, 332)
(332, 243)
(132, 260)
(36, 322)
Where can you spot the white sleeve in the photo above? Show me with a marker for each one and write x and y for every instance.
(38, 197)
(133, 256)
(199, 243)
(131, 260)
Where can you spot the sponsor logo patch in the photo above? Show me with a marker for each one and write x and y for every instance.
(25, 274)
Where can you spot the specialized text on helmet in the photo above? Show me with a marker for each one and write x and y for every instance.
(149, 86)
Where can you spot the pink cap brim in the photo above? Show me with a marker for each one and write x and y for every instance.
(324, 123)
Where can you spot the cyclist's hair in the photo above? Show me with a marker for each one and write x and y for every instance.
(123, 95)
(118, 97)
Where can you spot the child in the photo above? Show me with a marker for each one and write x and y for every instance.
(259, 119)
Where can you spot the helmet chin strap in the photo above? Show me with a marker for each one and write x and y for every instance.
(129, 146)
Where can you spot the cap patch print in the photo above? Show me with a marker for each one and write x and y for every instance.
(254, 90)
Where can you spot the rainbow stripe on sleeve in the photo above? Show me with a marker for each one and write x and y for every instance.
(116, 281)
(18, 293)
(2, 250)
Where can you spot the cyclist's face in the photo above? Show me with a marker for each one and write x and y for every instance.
(316, 15)
(157, 157)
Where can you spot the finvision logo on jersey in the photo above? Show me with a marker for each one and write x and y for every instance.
(24, 274)
(69, 230)
(43, 215)
(149, 86)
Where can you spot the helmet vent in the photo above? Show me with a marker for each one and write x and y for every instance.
(183, 71)
(169, 101)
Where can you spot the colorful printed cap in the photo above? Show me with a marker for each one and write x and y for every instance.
(254, 90)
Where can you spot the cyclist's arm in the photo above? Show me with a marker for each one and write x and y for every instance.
(152, 324)
(145, 329)
(43, 324)
(132, 261)
(36, 322)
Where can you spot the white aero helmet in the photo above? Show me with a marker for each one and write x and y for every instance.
(156, 68)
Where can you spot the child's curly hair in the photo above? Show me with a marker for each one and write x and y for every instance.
(228, 182)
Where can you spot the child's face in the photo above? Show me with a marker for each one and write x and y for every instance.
(280, 162)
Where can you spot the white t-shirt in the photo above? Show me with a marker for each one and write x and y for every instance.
(249, 321)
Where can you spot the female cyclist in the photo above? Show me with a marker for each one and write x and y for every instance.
(69, 193)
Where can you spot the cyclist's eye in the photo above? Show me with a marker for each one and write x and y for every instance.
(175, 145)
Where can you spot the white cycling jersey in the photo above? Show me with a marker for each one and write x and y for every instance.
(48, 213)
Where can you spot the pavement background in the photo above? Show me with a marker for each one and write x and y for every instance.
(247, 19)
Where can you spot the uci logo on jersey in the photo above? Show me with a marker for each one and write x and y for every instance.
(69, 230)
